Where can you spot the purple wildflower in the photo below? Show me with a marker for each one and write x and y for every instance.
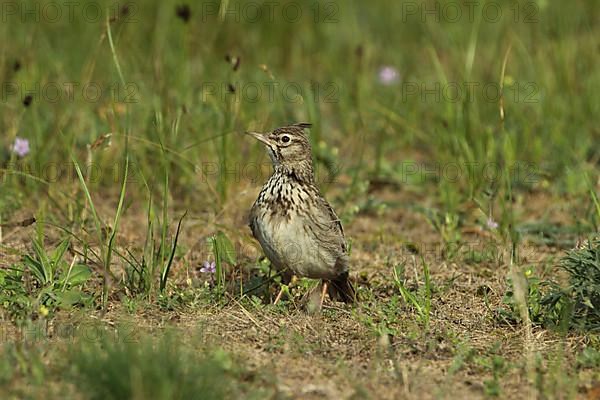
(388, 75)
(491, 224)
(209, 267)
(21, 147)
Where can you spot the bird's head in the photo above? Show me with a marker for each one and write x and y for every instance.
(287, 146)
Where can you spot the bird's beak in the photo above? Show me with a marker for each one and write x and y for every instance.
(260, 137)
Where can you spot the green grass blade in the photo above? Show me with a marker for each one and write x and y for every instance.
(113, 51)
(109, 249)
(98, 224)
(167, 268)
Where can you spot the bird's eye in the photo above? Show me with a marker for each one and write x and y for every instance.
(285, 138)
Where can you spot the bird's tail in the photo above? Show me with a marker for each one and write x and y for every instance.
(341, 289)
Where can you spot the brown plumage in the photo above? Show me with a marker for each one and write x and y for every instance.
(297, 228)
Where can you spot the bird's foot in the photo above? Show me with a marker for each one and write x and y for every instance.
(285, 289)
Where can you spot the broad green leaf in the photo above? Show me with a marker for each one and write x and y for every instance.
(44, 265)
(79, 275)
(59, 252)
(69, 298)
(37, 269)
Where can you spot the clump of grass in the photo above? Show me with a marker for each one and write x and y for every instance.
(107, 242)
(583, 267)
(158, 253)
(576, 306)
(18, 361)
(43, 282)
(116, 367)
(419, 299)
(543, 301)
(156, 259)
(223, 251)
(589, 357)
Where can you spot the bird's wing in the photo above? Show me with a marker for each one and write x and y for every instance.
(252, 221)
(328, 227)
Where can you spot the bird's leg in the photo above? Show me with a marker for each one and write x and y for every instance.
(316, 298)
(323, 291)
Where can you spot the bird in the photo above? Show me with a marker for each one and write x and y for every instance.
(297, 228)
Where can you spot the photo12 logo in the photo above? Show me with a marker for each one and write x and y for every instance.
(66, 11)
(257, 173)
(523, 172)
(68, 92)
(470, 11)
(271, 11)
(270, 92)
(460, 92)
(66, 172)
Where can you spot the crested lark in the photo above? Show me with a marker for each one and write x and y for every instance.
(298, 230)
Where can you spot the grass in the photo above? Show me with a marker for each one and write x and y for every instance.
(112, 369)
(478, 157)
(128, 364)
(421, 298)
